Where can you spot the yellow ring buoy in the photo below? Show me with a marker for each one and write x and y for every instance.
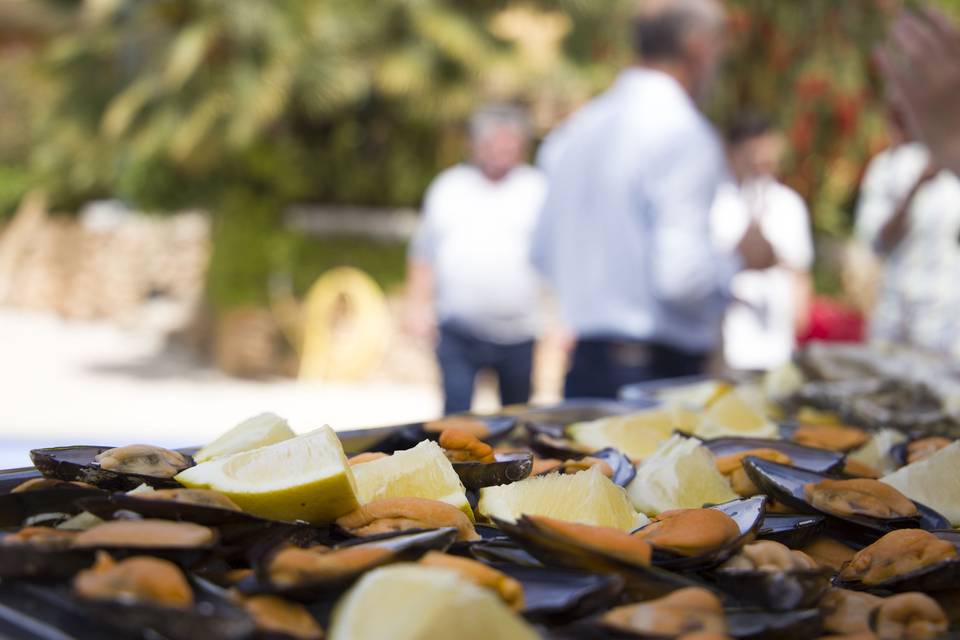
(346, 326)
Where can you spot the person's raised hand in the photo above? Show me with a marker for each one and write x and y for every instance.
(755, 250)
(921, 63)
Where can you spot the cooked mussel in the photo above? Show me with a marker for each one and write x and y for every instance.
(591, 548)
(111, 468)
(505, 587)
(308, 574)
(770, 575)
(685, 611)
(698, 539)
(611, 462)
(909, 616)
(918, 449)
(859, 497)
(276, 617)
(145, 593)
(798, 455)
(788, 485)
(47, 506)
(847, 612)
(401, 514)
(904, 560)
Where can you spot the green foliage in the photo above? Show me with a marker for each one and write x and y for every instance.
(15, 181)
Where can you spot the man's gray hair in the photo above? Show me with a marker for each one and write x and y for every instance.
(661, 27)
(491, 116)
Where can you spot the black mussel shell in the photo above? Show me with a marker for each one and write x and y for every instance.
(406, 436)
(11, 478)
(77, 463)
(502, 551)
(942, 576)
(52, 505)
(813, 459)
(794, 531)
(553, 420)
(213, 616)
(746, 512)
(775, 591)
(756, 624)
(406, 546)
(487, 534)
(506, 468)
(785, 485)
(556, 596)
(560, 448)
(641, 581)
(623, 468)
(26, 611)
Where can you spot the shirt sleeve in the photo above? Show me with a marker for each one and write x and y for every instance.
(688, 271)
(425, 240)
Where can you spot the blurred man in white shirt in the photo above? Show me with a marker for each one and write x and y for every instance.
(624, 238)
(769, 306)
(472, 287)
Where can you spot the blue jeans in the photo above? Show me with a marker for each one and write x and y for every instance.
(461, 355)
(602, 366)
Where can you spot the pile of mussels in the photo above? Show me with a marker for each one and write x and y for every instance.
(813, 548)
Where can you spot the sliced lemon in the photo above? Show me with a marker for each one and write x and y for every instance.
(410, 602)
(681, 474)
(696, 395)
(635, 434)
(587, 497)
(933, 481)
(735, 414)
(782, 382)
(304, 478)
(421, 472)
(259, 431)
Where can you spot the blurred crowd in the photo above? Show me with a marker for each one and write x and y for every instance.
(665, 247)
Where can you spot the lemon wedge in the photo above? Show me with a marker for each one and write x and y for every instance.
(933, 481)
(782, 382)
(636, 434)
(421, 472)
(587, 497)
(681, 474)
(735, 414)
(253, 433)
(695, 395)
(410, 602)
(303, 478)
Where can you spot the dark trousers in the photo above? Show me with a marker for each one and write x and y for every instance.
(601, 367)
(461, 355)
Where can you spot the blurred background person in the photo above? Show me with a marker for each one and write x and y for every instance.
(624, 238)
(770, 307)
(909, 213)
(472, 288)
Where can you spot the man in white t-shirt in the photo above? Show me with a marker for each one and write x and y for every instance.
(471, 285)
(769, 306)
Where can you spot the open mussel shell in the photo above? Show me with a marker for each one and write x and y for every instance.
(757, 624)
(506, 468)
(775, 591)
(556, 596)
(408, 435)
(77, 463)
(942, 576)
(785, 483)
(794, 531)
(554, 419)
(746, 512)
(213, 616)
(502, 551)
(803, 457)
(622, 467)
(405, 546)
(641, 581)
(43, 506)
(11, 478)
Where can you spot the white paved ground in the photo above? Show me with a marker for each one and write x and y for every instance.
(69, 382)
